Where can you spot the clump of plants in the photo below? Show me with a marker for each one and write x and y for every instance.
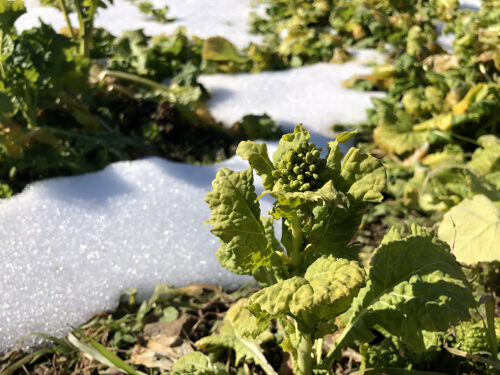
(313, 281)
(75, 101)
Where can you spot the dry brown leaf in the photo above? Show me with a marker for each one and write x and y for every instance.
(155, 355)
(166, 343)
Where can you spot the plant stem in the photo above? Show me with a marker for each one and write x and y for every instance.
(83, 30)
(64, 10)
(304, 351)
(296, 232)
(319, 350)
(2, 69)
(134, 78)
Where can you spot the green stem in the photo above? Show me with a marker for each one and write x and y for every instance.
(83, 30)
(2, 69)
(304, 354)
(64, 10)
(296, 231)
(490, 326)
(134, 78)
(319, 350)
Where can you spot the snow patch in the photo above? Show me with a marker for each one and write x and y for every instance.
(203, 18)
(312, 95)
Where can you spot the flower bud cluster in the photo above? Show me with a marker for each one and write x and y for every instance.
(300, 169)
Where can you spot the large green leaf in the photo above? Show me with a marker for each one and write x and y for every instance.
(256, 154)
(362, 176)
(325, 291)
(472, 229)
(414, 285)
(236, 221)
(238, 325)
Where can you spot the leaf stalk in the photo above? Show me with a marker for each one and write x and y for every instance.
(304, 354)
(64, 10)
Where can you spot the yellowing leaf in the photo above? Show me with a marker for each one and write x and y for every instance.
(475, 93)
(441, 122)
(472, 228)
(218, 48)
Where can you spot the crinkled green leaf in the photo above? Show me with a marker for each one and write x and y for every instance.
(279, 299)
(236, 221)
(472, 229)
(325, 291)
(325, 195)
(414, 285)
(334, 224)
(195, 363)
(268, 224)
(335, 282)
(256, 154)
(238, 325)
(218, 48)
(266, 275)
(362, 176)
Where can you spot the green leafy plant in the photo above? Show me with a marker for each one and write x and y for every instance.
(313, 276)
(158, 14)
(86, 11)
